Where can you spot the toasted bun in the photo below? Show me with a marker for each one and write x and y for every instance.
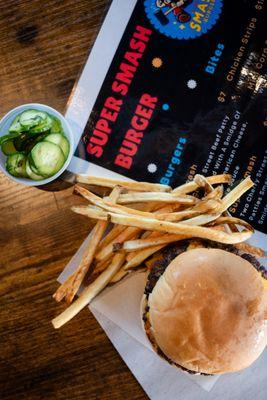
(208, 312)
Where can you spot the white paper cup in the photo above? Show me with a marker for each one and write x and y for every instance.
(4, 126)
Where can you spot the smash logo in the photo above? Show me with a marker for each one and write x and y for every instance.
(183, 19)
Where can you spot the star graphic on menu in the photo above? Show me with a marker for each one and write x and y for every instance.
(182, 26)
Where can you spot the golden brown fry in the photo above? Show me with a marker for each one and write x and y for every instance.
(162, 217)
(166, 208)
(216, 179)
(141, 256)
(112, 234)
(115, 194)
(202, 219)
(109, 206)
(142, 206)
(98, 202)
(156, 197)
(222, 228)
(66, 287)
(181, 229)
(62, 289)
(90, 212)
(119, 275)
(147, 234)
(131, 185)
(201, 181)
(130, 256)
(202, 213)
(216, 194)
(107, 251)
(150, 234)
(101, 265)
(192, 186)
(86, 261)
(90, 292)
(236, 193)
(232, 221)
(89, 253)
(210, 206)
(140, 244)
(227, 201)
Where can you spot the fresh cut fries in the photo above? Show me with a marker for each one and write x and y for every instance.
(131, 185)
(138, 219)
(73, 285)
(140, 244)
(181, 229)
(156, 197)
(192, 186)
(90, 292)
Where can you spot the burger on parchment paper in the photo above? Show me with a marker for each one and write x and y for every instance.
(205, 307)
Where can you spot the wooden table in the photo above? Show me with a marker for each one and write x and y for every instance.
(43, 47)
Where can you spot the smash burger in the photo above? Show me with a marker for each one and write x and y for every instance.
(205, 307)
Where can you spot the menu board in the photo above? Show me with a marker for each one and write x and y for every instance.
(177, 88)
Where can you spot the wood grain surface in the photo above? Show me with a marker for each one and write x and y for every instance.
(43, 48)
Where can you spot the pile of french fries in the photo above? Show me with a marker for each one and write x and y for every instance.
(142, 218)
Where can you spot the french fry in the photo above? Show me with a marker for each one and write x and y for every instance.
(165, 208)
(222, 228)
(201, 181)
(156, 197)
(119, 275)
(112, 234)
(227, 201)
(90, 212)
(141, 256)
(146, 218)
(216, 194)
(181, 229)
(131, 185)
(100, 266)
(96, 213)
(232, 221)
(147, 234)
(107, 251)
(210, 206)
(67, 287)
(192, 186)
(89, 253)
(90, 292)
(61, 291)
(236, 193)
(143, 206)
(150, 234)
(201, 219)
(140, 244)
(130, 256)
(108, 206)
(232, 227)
